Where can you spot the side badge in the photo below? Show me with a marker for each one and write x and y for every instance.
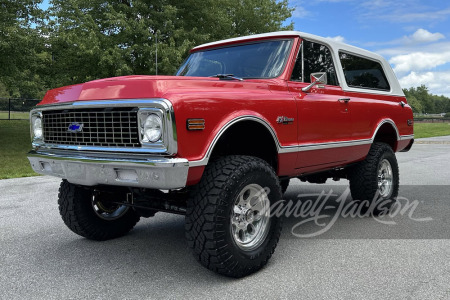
(285, 120)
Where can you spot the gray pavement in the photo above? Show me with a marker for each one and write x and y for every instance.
(357, 259)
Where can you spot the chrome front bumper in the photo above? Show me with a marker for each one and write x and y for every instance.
(93, 169)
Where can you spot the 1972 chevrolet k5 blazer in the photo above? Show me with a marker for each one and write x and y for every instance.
(219, 141)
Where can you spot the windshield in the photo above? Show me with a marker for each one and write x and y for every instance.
(257, 60)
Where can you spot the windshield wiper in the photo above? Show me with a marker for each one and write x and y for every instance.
(227, 76)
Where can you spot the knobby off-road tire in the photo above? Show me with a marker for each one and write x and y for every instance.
(376, 179)
(217, 215)
(91, 219)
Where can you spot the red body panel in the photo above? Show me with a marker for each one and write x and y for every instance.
(319, 116)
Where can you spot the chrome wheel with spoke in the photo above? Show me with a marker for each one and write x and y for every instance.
(228, 222)
(385, 178)
(250, 219)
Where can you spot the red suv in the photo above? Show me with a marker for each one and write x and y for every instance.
(219, 141)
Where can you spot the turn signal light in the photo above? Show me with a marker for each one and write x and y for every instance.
(195, 124)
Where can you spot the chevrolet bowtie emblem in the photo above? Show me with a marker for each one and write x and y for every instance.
(75, 127)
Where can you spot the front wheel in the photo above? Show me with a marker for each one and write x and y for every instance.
(94, 215)
(228, 220)
(376, 179)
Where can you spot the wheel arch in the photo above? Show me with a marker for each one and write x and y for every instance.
(246, 135)
(388, 133)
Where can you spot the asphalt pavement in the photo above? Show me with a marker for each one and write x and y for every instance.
(357, 258)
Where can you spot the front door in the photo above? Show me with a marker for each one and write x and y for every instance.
(324, 122)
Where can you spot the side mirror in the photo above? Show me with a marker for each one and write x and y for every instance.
(319, 78)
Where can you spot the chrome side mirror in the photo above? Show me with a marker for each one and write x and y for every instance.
(319, 78)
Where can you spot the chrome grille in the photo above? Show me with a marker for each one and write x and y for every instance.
(109, 127)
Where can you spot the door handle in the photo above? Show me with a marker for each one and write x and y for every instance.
(346, 100)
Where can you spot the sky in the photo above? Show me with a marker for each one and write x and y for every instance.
(413, 35)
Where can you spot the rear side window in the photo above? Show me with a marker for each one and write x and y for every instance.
(363, 73)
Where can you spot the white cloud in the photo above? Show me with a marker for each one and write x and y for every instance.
(300, 12)
(299, 9)
(424, 36)
(437, 82)
(376, 4)
(421, 58)
(405, 11)
(419, 16)
(418, 61)
(337, 38)
(420, 36)
(438, 47)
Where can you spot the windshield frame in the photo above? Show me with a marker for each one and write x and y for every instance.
(290, 46)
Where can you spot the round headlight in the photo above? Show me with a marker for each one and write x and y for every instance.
(152, 129)
(37, 128)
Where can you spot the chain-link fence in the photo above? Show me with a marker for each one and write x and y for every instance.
(16, 108)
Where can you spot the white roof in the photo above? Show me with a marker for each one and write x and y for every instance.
(335, 47)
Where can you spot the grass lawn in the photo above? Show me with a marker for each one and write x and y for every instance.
(14, 145)
(15, 115)
(423, 130)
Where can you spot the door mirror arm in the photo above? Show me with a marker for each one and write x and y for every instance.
(307, 88)
(316, 78)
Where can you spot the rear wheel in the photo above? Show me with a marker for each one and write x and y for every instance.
(228, 222)
(94, 215)
(376, 179)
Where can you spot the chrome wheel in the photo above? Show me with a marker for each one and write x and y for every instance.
(108, 211)
(250, 219)
(385, 178)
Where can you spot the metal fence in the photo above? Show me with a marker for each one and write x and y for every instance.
(16, 108)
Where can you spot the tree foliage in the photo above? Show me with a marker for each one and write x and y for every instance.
(75, 41)
(21, 47)
(3, 91)
(422, 101)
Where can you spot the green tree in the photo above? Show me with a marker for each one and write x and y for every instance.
(415, 104)
(20, 46)
(97, 38)
(3, 91)
(423, 101)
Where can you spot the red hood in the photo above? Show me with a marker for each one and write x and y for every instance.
(141, 87)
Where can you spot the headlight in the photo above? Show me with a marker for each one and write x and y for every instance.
(37, 127)
(152, 129)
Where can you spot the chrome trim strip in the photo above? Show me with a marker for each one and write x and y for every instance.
(301, 147)
(98, 158)
(169, 137)
(154, 172)
(334, 145)
(406, 137)
(384, 121)
(321, 146)
(160, 102)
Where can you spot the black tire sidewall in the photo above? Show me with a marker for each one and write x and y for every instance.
(259, 254)
(77, 212)
(364, 179)
(209, 212)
